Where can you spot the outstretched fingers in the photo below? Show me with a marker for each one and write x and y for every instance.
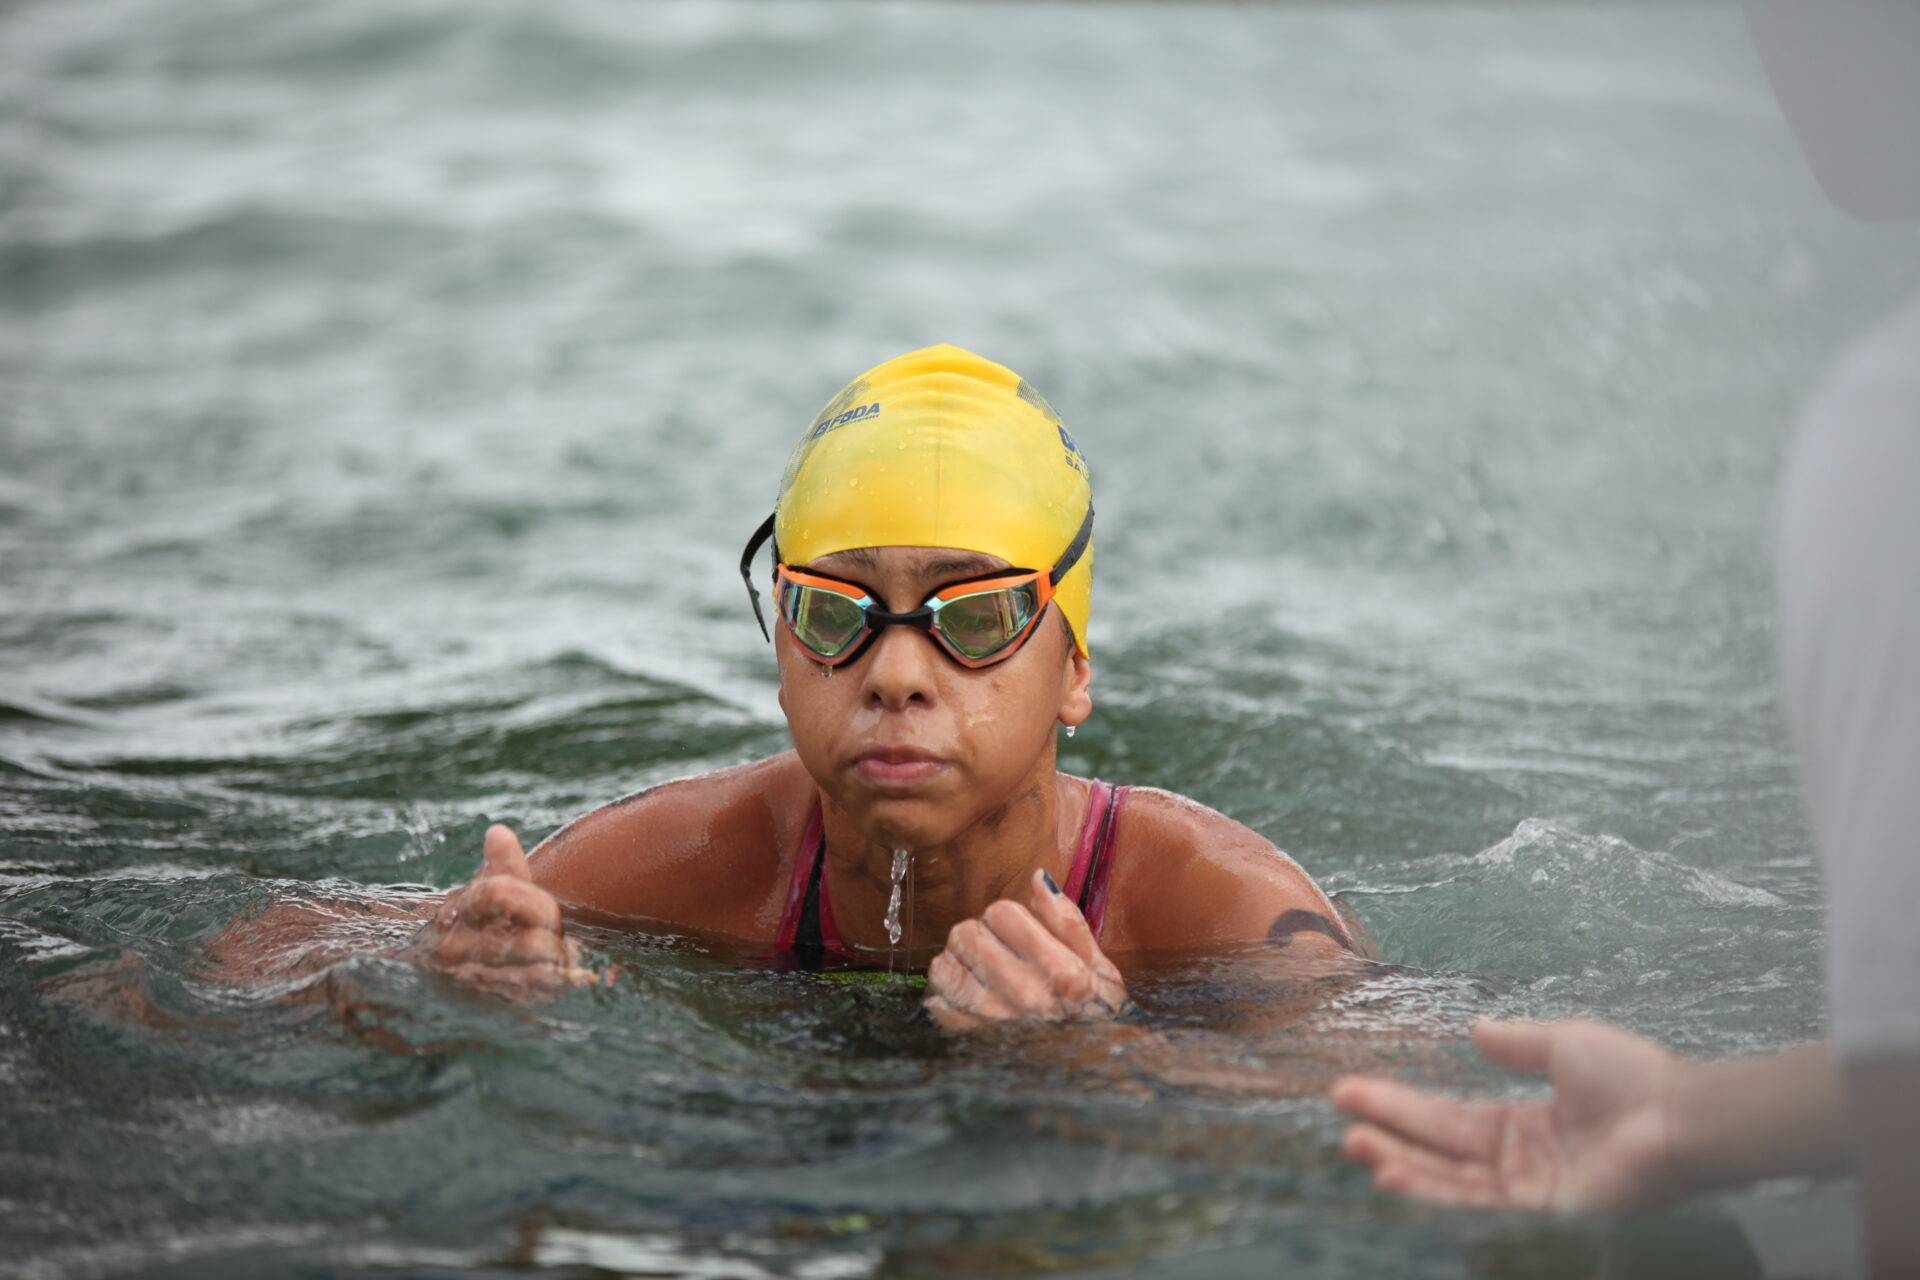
(1404, 1168)
(1457, 1129)
(1517, 1046)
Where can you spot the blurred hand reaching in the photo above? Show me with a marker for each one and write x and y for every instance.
(1603, 1139)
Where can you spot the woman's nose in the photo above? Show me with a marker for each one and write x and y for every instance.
(901, 668)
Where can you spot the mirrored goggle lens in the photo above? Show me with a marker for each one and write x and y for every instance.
(824, 621)
(982, 624)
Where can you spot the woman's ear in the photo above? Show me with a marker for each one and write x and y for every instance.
(1076, 692)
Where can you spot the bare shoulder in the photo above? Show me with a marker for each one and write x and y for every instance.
(708, 852)
(1186, 876)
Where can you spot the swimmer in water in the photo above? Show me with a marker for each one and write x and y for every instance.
(932, 549)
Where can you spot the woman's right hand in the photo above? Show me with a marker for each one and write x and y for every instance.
(502, 931)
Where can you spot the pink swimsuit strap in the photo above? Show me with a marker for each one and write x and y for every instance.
(1087, 878)
(806, 865)
(1093, 860)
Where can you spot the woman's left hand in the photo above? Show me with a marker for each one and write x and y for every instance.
(1013, 961)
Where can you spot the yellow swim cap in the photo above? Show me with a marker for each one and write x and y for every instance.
(941, 448)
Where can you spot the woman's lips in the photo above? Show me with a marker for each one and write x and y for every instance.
(897, 766)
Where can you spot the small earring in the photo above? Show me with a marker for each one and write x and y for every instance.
(1071, 728)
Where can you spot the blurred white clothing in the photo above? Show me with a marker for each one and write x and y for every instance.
(1848, 557)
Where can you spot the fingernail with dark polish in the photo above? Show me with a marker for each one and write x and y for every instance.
(1047, 876)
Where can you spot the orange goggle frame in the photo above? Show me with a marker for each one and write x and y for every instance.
(976, 621)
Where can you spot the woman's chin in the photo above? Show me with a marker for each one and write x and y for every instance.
(908, 822)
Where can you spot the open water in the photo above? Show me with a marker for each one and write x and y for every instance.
(386, 389)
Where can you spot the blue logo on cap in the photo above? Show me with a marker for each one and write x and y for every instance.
(856, 414)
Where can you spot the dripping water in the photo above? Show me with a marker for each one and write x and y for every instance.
(892, 918)
(910, 934)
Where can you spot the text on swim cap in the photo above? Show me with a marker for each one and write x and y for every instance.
(855, 414)
(1075, 458)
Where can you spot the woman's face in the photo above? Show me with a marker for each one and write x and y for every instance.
(913, 746)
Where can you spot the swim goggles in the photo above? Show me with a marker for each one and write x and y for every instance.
(977, 621)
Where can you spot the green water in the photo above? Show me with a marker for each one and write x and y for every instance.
(386, 391)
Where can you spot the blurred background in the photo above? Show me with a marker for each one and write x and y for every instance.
(386, 391)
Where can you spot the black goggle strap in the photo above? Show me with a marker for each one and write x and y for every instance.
(1075, 549)
(760, 535)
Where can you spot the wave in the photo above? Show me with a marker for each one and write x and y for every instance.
(1551, 903)
(572, 715)
(18, 709)
(251, 243)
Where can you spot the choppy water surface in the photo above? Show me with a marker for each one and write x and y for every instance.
(385, 393)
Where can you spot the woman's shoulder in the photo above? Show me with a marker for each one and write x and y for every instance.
(1186, 875)
(1168, 825)
(710, 850)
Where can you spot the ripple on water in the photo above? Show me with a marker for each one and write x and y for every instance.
(1589, 923)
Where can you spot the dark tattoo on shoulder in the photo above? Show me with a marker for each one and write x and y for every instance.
(1300, 920)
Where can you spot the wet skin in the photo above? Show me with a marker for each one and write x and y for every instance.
(904, 748)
